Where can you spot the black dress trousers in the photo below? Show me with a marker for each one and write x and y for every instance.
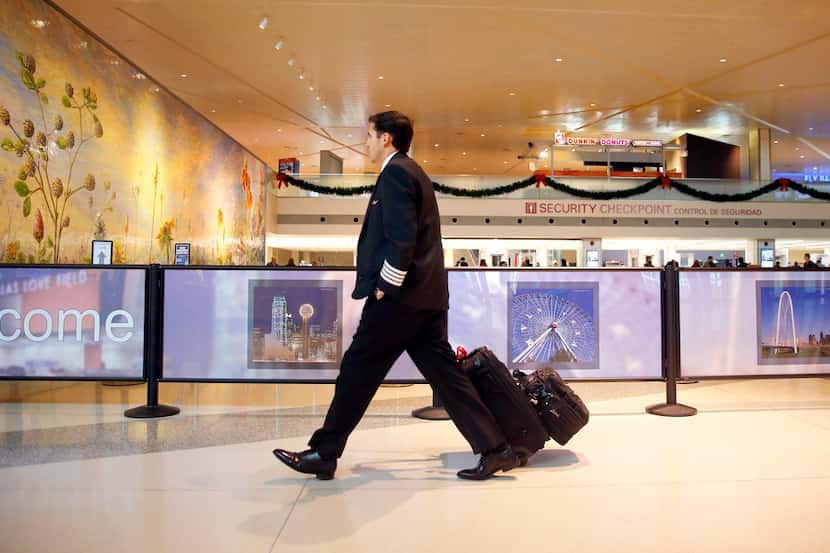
(388, 328)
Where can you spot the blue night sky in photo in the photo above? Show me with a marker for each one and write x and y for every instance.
(811, 305)
(323, 298)
(583, 297)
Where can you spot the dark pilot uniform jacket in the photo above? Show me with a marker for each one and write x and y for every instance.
(399, 250)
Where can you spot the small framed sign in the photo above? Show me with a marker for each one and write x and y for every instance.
(102, 252)
(182, 253)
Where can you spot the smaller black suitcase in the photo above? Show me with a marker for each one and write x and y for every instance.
(504, 397)
(562, 411)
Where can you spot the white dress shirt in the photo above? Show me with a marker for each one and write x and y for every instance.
(387, 160)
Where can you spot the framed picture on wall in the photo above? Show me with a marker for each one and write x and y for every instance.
(294, 324)
(553, 324)
(102, 252)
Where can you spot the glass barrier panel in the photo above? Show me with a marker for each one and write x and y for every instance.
(72, 323)
(294, 325)
(754, 323)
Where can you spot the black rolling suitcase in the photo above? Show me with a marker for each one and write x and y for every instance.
(562, 411)
(504, 397)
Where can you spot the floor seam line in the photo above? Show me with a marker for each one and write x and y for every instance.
(288, 516)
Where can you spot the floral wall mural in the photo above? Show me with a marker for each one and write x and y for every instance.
(93, 149)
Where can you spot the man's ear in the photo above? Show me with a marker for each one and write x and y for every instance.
(387, 139)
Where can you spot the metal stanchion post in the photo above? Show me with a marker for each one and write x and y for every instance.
(671, 347)
(152, 355)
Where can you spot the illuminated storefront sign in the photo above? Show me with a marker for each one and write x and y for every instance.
(561, 139)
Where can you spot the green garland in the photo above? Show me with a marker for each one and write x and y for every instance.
(782, 184)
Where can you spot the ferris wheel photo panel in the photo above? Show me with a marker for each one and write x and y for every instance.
(552, 323)
(754, 323)
(602, 324)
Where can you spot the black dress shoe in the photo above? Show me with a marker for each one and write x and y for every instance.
(491, 463)
(307, 462)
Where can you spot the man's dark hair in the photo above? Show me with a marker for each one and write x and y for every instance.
(397, 125)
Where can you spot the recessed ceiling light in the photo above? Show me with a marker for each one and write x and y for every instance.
(811, 129)
(263, 23)
(797, 148)
(435, 145)
(463, 153)
(300, 153)
(139, 76)
(183, 76)
(156, 89)
(557, 60)
(311, 88)
(380, 77)
(317, 98)
(388, 105)
(593, 105)
(279, 130)
(114, 62)
(506, 162)
(279, 44)
(482, 134)
(240, 101)
(291, 62)
(325, 106)
(466, 119)
(775, 142)
(213, 110)
(802, 157)
(39, 23)
(815, 168)
(511, 93)
(301, 76)
(699, 110)
(723, 60)
(426, 161)
(780, 84)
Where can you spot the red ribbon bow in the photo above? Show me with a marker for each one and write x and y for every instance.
(784, 184)
(665, 182)
(460, 353)
(282, 179)
(540, 178)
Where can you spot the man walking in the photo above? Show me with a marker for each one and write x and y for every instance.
(400, 270)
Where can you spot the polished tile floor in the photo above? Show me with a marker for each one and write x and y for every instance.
(750, 473)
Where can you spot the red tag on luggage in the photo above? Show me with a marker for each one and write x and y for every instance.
(460, 353)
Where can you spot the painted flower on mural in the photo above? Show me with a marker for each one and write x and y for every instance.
(37, 231)
(13, 251)
(165, 236)
(100, 232)
(33, 183)
(246, 186)
(119, 252)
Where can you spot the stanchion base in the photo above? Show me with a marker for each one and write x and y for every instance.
(431, 413)
(671, 410)
(687, 381)
(151, 411)
(119, 383)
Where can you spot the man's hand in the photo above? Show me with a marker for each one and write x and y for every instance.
(378, 294)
